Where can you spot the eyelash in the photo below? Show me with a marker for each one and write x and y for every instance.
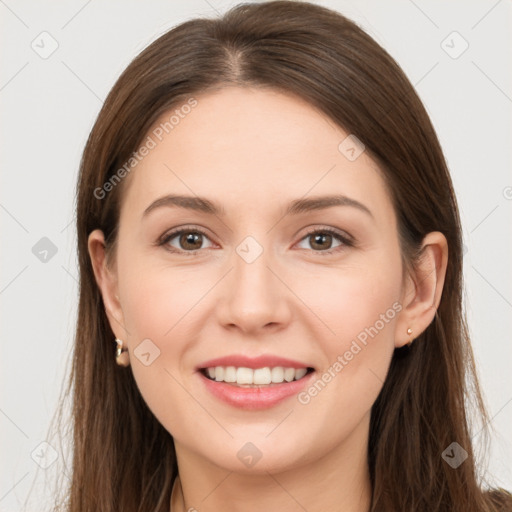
(345, 240)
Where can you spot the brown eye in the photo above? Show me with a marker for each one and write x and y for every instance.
(322, 240)
(185, 240)
(191, 240)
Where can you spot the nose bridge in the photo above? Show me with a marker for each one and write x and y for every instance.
(255, 297)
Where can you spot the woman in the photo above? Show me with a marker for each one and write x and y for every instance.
(270, 253)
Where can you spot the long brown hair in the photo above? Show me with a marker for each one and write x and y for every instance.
(123, 458)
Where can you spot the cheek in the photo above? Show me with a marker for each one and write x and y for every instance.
(365, 311)
(162, 304)
(353, 301)
(157, 301)
(360, 307)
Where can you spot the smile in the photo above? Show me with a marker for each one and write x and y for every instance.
(256, 388)
(249, 377)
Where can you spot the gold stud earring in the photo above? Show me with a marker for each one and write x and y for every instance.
(119, 351)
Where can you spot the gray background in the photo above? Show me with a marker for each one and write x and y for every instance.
(48, 105)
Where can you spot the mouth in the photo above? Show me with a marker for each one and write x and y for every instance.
(254, 388)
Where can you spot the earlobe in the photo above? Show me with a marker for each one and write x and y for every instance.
(423, 295)
(107, 283)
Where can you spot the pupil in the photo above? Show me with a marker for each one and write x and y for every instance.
(191, 238)
(321, 238)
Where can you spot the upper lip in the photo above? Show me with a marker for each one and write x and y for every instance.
(262, 361)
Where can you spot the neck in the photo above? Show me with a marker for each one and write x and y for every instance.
(338, 480)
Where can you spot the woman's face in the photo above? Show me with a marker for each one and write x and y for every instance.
(271, 281)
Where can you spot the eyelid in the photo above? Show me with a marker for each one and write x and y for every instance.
(342, 235)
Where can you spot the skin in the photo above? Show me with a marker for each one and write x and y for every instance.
(253, 151)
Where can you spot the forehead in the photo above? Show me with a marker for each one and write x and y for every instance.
(255, 147)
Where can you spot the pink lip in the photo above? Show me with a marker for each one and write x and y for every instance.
(261, 397)
(253, 362)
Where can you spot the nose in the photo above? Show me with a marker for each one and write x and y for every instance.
(253, 298)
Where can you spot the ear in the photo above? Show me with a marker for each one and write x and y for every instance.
(106, 278)
(423, 290)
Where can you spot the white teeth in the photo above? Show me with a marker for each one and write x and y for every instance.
(259, 376)
(219, 373)
(230, 374)
(244, 376)
(300, 373)
(278, 374)
(262, 376)
(289, 374)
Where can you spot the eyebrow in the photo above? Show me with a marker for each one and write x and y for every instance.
(201, 204)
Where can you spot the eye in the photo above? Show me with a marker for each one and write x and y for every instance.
(321, 240)
(188, 239)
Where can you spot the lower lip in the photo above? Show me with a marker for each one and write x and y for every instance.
(255, 398)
